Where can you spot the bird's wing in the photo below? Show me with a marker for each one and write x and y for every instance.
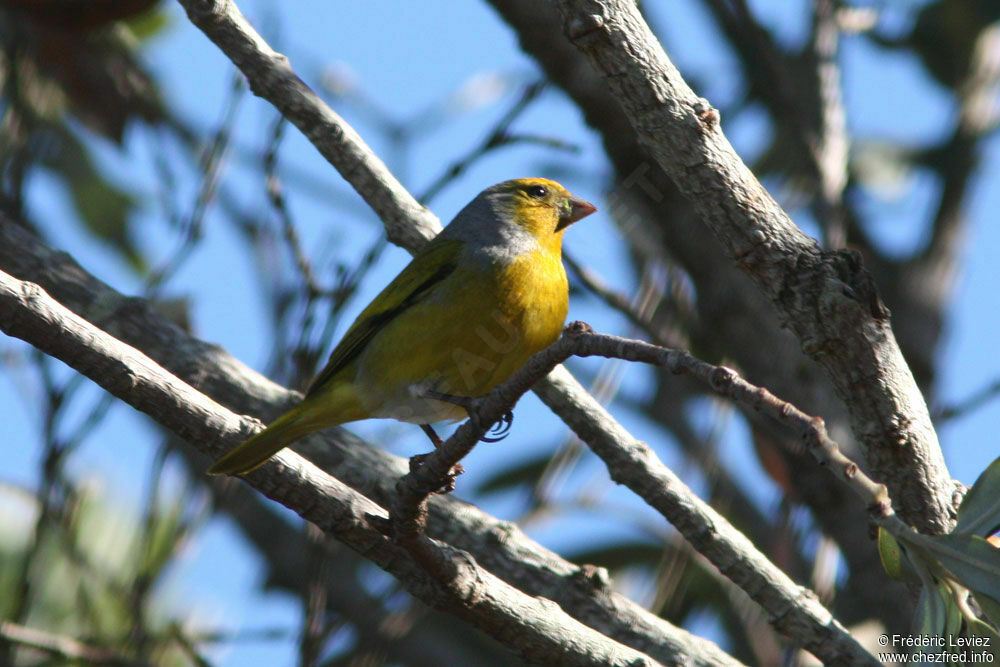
(413, 284)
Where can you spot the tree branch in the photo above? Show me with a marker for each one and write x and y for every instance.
(827, 299)
(831, 146)
(731, 319)
(533, 627)
(58, 646)
(794, 610)
(407, 223)
(500, 546)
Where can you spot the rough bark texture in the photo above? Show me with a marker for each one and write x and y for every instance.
(735, 320)
(535, 628)
(497, 545)
(827, 299)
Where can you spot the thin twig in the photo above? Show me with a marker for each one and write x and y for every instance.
(408, 224)
(276, 196)
(53, 494)
(187, 646)
(315, 629)
(579, 340)
(636, 466)
(978, 117)
(967, 405)
(499, 136)
(212, 164)
(59, 646)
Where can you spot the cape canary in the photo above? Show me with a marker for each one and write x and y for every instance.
(469, 309)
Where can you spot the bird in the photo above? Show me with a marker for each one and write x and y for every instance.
(470, 308)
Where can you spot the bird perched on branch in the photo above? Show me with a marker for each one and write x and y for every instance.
(470, 308)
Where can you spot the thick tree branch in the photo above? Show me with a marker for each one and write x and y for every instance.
(431, 638)
(500, 546)
(826, 299)
(536, 629)
(731, 318)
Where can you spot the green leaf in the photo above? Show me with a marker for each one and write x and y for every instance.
(148, 24)
(953, 615)
(979, 513)
(988, 640)
(890, 554)
(894, 559)
(931, 616)
(973, 560)
(990, 608)
(937, 615)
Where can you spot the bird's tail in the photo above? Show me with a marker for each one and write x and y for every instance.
(283, 431)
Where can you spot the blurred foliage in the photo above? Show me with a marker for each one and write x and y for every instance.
(94, 572)
(66, 65)
(947, 568)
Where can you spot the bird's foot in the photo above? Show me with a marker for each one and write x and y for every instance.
(500, 428)
(434, 437)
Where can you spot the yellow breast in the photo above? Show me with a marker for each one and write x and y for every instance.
(530, 313)
(474, 334)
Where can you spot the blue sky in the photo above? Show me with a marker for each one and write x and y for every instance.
(406, 58)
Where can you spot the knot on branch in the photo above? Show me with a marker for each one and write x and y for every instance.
(722, 378)
(898, 430)
(582, 26)
(594, 576)
(707, 115)
(814, 436)
(577, 328)
(881, 507)
(859, 283)
(818, 425)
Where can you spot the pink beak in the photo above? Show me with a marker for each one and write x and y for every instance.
(575, 209)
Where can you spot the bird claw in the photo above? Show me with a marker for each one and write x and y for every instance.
(500, 428)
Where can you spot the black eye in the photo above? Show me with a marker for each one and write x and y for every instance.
(537, 191)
